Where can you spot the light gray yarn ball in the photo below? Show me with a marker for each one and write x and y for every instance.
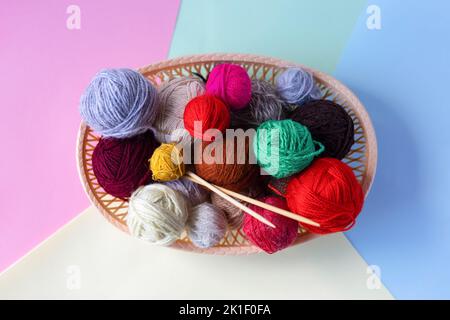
(206, 225)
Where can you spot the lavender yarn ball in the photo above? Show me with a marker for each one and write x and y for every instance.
(265, 104)
(297, 86)
(206, 225)
(173, 96)
(194, 193)
(119, 103)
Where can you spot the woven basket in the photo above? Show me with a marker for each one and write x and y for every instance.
(362, 158)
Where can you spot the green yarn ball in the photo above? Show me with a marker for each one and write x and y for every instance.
(284, 147)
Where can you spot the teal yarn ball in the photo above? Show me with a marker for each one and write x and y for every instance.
(284, 147)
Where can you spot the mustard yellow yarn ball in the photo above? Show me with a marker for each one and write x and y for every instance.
(167, 163)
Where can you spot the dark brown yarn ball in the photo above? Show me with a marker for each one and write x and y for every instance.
(236, 174)
(329, 124)
(121, 165)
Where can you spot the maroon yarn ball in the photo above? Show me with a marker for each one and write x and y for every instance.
(121, 165)
(267, 238)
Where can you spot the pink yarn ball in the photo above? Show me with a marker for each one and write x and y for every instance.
(231, 83)
(267, 238)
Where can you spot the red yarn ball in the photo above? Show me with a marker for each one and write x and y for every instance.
(208, 111)
(121, 165)
(267, 238)
(328, 193)
(231, 83)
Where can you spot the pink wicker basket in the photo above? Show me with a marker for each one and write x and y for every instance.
(362, 158)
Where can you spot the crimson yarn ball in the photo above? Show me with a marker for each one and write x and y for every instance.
(231, 83)
(328, 193)
(267, 238)
(208, 111)
(121, 165)
(329, 124)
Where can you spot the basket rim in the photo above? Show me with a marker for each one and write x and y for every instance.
(329, 81)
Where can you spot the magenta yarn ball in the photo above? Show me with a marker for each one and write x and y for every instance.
(230, 83)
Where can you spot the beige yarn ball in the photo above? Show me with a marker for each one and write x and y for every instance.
(157, 214)
(173, 96)
(234, 215)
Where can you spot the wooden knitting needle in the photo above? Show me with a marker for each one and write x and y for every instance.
(270, 207)
(255, 202)
(195, 178)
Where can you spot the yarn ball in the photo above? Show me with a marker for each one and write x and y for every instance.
(173, 97)
(157, 214)
(297, 86)
(206, 225)
(328, 193)
(234, 215)
(203, 113)
(231, 83)
(285, 147)
(119, 103)
(193, 192)
(167, 163)
(265, 104)
(328, 123)
(121, 165)
(267, 238)
(231, 168)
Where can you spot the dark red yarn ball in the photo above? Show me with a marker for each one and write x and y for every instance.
(329, 124)
(328, 193)
(121, 165)
(267, 238)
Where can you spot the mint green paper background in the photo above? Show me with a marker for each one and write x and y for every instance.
(313, 33)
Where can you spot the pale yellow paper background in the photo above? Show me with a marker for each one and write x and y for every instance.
(107, 263)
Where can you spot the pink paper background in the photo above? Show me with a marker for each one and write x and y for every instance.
(44, 68)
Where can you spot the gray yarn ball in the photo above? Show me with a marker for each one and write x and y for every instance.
(264, 105)
(119, 103)
(207, 225)
(194, 193)
(297, 86)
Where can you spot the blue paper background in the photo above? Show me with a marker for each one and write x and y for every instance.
(401, 73)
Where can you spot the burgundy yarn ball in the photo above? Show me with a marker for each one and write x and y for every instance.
(329, 124)
(230, 83)
(267, 238)
(121, 165)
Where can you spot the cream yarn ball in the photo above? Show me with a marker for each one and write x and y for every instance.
(206, 225)
(157, 214)
(173, 96)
